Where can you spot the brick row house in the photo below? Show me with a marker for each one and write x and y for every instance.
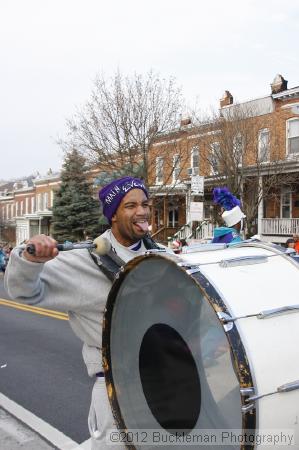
(25, 207)
(173, 158)
(253, 147)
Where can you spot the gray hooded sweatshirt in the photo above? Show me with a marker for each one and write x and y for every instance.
(71, 283)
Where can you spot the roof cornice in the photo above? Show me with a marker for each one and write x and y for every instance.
(289, 93)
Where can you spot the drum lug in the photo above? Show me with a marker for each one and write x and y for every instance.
(190, 268)
(243, 261)
(247, 408)
(155, 251)
(226, 320)
(287, 387)
(247, 392)
(277, 311)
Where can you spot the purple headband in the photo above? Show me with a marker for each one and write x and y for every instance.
(112, 194)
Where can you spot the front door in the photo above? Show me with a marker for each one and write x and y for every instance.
(173, 217)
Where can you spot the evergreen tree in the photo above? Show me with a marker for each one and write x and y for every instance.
(76, 214)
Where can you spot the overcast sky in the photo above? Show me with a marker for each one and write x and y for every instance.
(51, 51)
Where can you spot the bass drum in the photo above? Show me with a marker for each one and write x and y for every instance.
(186, 350)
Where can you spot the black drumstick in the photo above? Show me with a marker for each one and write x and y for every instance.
(30, 248)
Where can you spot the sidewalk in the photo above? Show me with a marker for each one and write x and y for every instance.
(22, 430)
(15, 435)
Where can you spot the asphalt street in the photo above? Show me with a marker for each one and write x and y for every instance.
(41, 369)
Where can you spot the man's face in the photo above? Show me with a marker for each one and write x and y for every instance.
(130, 222)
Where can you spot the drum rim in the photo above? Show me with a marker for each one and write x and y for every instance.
(240, 360)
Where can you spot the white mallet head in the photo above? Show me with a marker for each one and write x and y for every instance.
(103, 246)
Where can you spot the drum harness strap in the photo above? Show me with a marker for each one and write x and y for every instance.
(111, 264)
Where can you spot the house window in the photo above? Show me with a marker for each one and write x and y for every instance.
(207, 211)
(173, 217)
(238, 149)
(159, 170)
(293, 136)
(51, 198)
(286, 203)
(32, 205)
(195, 161)
(264, 145)
(45, 201)
(214, 157)
(159, 218)
(176, 168)
(39, 202)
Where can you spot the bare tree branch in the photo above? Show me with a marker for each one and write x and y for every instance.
(124, 115)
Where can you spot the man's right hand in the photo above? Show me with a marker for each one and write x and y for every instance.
(45, 249)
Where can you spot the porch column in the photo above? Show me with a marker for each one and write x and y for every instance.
(188, 200)
(27, 228)
(165, 204)
(153, 210)
(260, 211)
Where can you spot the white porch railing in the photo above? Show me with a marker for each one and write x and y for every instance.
(185, 232)
(280, 226)
(204, 230)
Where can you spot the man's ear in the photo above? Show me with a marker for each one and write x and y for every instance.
(113, 219)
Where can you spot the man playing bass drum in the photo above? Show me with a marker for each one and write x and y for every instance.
(72, 282)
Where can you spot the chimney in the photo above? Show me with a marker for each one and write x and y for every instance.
(279, 84)
(185, 122)
(227, 99)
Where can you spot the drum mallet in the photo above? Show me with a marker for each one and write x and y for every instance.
(100, 245)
